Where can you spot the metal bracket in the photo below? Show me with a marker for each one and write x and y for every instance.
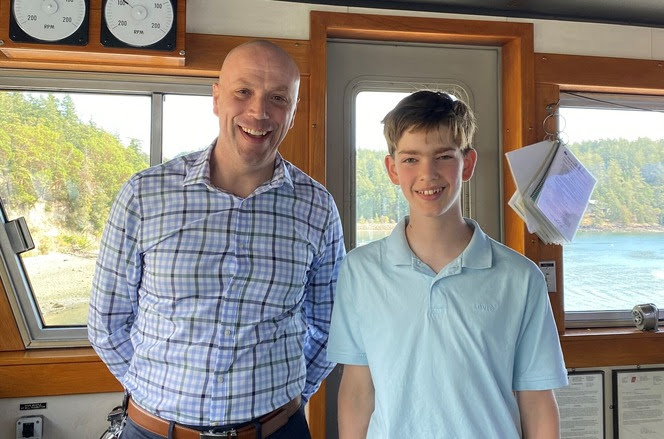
(19, 235)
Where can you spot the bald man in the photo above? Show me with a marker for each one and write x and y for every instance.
(213, 292)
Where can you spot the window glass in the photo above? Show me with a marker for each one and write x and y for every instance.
(189, 124)
(379, 204)
(616, 259)
(63, 158)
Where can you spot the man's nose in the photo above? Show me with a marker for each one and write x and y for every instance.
(259, 107)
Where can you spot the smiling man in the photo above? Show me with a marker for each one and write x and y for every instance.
(213, 292)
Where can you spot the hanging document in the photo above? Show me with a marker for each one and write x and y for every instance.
(553, 190)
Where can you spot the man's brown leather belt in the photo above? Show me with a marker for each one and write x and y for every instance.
(270, 423)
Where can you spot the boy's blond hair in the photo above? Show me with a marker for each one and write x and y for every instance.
(428, 110)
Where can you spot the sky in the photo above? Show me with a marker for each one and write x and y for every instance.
(576, 125)
(189, 122)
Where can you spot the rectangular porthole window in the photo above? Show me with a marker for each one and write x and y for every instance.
(616, 259)
(67, 145)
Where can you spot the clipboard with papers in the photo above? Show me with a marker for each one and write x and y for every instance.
(553, 189)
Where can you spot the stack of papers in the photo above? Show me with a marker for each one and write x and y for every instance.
(552, 190)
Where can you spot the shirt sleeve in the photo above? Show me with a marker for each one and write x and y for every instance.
(539, 363)
(318, 302)
(113, 299)
(346, 345)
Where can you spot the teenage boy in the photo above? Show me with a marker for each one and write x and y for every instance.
(443, 332)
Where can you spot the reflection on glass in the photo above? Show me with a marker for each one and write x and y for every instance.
(616, 259)
(189, 124)
(63, 158)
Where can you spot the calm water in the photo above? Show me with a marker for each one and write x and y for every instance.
(614, 271)
(604, 271)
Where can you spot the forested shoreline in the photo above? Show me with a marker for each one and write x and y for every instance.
(63, 174)
(629, 194)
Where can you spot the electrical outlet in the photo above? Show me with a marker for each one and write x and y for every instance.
(29, 427)
(549, 270)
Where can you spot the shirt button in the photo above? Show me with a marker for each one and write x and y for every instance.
(220, 379)
(228, 333)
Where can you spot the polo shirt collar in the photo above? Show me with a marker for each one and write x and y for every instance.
(199, 172)
(477, 253)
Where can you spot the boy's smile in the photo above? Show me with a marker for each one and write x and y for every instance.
(431, 169)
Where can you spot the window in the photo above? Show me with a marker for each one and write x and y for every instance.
(379, 204)
(616, 259)
(67, 144)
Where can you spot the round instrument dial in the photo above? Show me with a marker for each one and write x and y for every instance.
(47, 20)
(139, 23)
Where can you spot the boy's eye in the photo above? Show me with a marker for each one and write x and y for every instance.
(409, 160)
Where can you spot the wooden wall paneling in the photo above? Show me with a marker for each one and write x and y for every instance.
(600, 74)
(295, 147)
(56, 379)
(612, 347)
(204, 56)
(10, 340)
(546, 95)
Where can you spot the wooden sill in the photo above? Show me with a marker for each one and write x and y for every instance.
(606, 347)
(48, 372)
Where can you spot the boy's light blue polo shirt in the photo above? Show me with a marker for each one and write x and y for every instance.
(447, 350)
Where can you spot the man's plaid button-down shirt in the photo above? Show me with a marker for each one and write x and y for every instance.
(213, 309)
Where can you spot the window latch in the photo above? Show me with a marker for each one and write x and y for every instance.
(19, 235)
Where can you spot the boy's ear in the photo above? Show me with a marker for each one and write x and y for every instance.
(469, 162)
(390, 165)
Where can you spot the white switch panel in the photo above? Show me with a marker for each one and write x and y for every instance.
(549, 270)
(29, 427)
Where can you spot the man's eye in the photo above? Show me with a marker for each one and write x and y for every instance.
(280, 99)
(409, 160)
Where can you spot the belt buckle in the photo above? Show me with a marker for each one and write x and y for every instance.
(220, 435)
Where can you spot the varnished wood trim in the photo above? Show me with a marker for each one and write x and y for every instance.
(547, 94)
(612, 347)
(56, 379)
(601, 74)
(204, 56)
(316, 413)
(10, 340)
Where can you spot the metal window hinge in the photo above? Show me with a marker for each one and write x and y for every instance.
(19, 235)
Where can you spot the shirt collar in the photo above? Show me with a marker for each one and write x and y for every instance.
(477, 253)
(199, 172)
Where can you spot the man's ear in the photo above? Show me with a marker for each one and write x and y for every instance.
(215, 98)
(391, 167)
(469, 162)
(294, 113)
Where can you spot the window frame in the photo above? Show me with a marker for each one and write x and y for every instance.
(13, 274)
(556, 73)
(344, 185)
(571, 98)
